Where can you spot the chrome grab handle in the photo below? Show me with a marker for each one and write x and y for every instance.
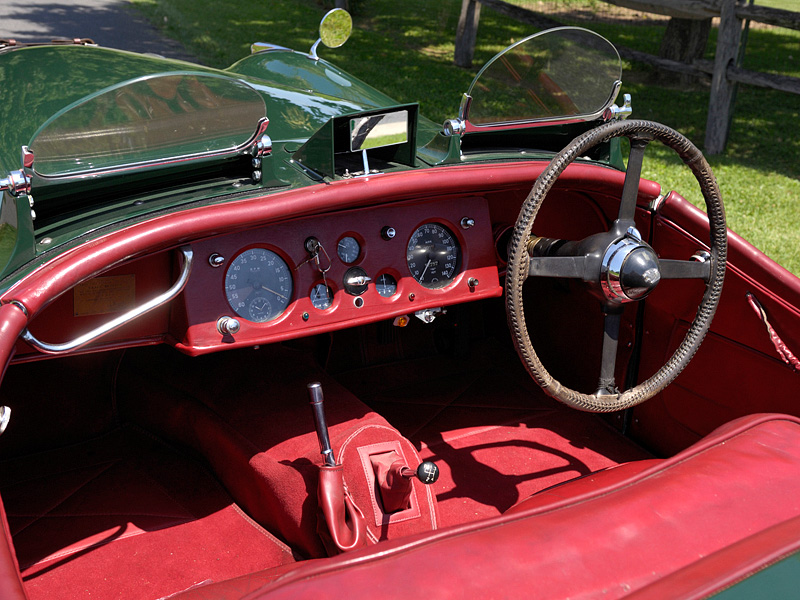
(121, 320)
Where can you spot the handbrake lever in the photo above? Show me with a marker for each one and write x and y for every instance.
(342, 525)
(315, 395)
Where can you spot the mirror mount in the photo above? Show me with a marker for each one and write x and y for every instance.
(18, 182)
(334, 30)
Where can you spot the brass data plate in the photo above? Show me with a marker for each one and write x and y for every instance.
(103, 295)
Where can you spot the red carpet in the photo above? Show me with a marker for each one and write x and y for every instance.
(495, 436)
(125, 516)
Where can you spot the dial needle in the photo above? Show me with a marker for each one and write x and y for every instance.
(263, 287)
(425, 270)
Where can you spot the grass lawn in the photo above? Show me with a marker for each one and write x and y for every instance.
(406, 49)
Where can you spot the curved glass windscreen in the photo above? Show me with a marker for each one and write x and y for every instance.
(556, 74)
(153, 119)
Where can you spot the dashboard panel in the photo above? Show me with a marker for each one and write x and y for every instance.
(325, 272)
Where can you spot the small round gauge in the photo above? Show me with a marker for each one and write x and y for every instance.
(258, 285)
(348, 249)
(321, 297)
(433, 255)
(386, 285)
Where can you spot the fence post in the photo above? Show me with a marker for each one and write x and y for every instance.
(723, 91)
(467, 32)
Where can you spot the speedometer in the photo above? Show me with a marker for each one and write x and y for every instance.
(433, 255)
(258, 285)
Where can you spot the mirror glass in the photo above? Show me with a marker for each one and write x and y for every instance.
(378, 131)
(335, 28)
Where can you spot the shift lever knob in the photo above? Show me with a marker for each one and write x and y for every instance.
(427, 472)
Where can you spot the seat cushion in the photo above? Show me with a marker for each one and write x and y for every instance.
(602, 536)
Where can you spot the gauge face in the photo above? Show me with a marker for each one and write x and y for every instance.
(434, 255)
(321, 296)
(348, 249)
(386, 285)
(258, 285)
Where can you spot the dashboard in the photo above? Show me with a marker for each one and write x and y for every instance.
(342, 269)
(291, 279)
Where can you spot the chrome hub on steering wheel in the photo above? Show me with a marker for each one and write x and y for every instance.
(629, 270)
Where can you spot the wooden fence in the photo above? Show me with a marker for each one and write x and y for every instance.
(724, 71)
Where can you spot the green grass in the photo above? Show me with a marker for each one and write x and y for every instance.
(406, 49)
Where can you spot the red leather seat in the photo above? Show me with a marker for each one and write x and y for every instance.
(605, 535)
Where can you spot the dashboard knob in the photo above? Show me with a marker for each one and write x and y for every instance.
(216, 260)
(228, 325)
(356, 281)
(388, 233)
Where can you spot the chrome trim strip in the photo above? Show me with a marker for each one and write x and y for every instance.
(116, 323)
(559, 120)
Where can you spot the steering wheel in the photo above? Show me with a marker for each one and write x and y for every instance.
(617, 266)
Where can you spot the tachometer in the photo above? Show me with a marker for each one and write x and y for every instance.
(258, 285)
(433, 256)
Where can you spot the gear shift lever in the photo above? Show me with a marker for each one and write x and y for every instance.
(393, 478)
(427, 472)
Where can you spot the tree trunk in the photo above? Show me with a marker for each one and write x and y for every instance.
(467, 33)
(684, 41)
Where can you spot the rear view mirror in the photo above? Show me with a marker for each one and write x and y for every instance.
(334, 30)
(378, 131)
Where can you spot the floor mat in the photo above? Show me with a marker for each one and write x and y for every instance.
(496, 437)
(125, 516)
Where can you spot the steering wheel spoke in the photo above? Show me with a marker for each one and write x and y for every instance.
(684, 269)
(633, 175)
(611, 326)
(565, 267)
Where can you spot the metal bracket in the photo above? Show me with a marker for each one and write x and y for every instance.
(615, 112)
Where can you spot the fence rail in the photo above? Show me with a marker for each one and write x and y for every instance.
(724, 71)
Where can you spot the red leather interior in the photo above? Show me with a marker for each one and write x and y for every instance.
(256, 432)
(623, 531)
(395, 490)
(341, 526)
(729, 566)
(737, 370)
